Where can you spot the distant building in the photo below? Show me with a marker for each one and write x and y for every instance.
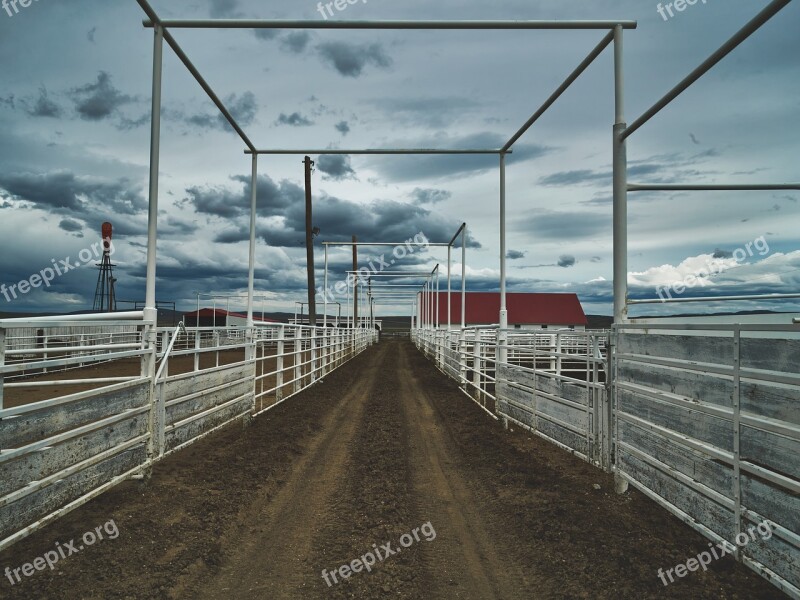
(525, 310)
(211, 317)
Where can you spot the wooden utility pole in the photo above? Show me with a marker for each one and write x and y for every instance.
(312, 304)
(355, 281)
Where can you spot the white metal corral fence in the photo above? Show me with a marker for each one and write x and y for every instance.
(553, 383)
(81, 412)
(703, 419)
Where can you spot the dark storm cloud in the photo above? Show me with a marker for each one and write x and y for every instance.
(343, 127)
(430, 195)
(90, 199)
(63, 190)
(43, 106)
(564, 225)
(71, 225)
(718, 253)
(426, 112)
(98, 100)
(566, 260)
(294, 120)
(273, 199)
(295, 42)
(284, 206)
(350, 60)
(515, 255)
(410, 168)
(335, 167)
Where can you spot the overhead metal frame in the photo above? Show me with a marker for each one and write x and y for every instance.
(621, 130)
(161, 27)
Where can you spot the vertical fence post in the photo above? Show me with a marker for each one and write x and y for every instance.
(313, 355)
(44, 356)
(477, 365)
(2, 362)
(150, 310)
(558, 353)
(462, 358)
(298, 359)
(197, 347)
(620, 484)
(279, 364)
(737, 430)
(325, 354)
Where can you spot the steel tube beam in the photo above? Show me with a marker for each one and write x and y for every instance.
(325, 293)
(692, 187)
(155, 153)
(745, 32)
(449, 287)
(561, 89)
(455, 237)
(620, 185)
(133, 315)
(377, 151)
(463, 275)
(420, 25)
(502, 335)
(715, 299)
(439, 245)
(251, 277)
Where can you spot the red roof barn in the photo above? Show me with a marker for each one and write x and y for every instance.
(525, 310)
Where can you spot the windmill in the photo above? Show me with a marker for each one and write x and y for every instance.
(105, 299)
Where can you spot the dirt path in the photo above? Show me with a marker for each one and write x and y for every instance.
(467, 561)
(274, 563)
(385, 461)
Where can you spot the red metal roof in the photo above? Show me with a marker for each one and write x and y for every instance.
(222, 313)
(483, 308)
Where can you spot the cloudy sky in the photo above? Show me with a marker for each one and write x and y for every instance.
(74, 147)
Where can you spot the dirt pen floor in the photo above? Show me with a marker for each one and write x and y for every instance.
(383, 447)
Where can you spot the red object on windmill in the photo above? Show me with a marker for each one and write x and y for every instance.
(105, 299)
(107, 232)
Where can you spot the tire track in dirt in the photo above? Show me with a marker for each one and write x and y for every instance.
(463, 561)
(375, 504)
(269, 555)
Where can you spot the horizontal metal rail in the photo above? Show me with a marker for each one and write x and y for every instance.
(421, 25)
(712, 187)
(380, 151)
(714, 299)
